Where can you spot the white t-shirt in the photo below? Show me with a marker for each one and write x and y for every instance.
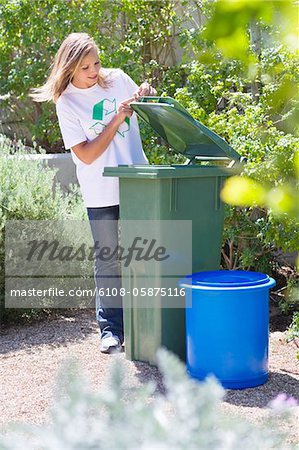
(82, 115)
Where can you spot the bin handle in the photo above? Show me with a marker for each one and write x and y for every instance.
(240, 163)
(150, 100)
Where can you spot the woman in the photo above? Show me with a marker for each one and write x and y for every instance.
(98, 126)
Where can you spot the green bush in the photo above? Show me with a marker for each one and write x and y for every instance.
(27, 193)
(157, 151)
(187, 417)
(252, 235)
(293, 330)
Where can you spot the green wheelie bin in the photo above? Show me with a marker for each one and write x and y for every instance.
(155, 194)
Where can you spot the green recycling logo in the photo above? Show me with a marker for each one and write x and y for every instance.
(102, 109)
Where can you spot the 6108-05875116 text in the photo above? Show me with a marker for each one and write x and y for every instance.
(113, 292)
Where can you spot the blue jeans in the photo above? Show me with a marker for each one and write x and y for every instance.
(109, 313)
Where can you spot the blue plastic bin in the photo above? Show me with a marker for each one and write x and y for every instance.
(227, 322)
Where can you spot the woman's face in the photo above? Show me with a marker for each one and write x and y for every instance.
(86, 74)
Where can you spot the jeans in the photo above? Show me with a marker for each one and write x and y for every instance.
(109, 313)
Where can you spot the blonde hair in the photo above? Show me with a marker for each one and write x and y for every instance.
(68, 58)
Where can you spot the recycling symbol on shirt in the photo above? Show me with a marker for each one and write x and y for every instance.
(105, 108)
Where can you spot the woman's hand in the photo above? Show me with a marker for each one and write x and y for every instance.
(145, 90)
(124, 110)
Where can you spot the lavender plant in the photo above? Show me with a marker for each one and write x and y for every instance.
(188, 416)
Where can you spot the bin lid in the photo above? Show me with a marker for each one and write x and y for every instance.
(226, 279)
(181, 131)
(156, 172)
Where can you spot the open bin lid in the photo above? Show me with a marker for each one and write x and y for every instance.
(181, 131)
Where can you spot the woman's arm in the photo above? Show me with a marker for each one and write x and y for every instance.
(88, 152)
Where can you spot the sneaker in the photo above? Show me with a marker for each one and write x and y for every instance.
(111, 344)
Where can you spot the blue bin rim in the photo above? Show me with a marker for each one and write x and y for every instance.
(227, 279)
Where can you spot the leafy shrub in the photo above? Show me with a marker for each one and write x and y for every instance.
(293, 330)
(157, 151)
(252, 235)
(27, 193)
(188, 417)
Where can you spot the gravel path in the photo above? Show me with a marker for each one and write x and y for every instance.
(32, 354)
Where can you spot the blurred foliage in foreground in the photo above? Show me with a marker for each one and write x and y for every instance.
(188, 416)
